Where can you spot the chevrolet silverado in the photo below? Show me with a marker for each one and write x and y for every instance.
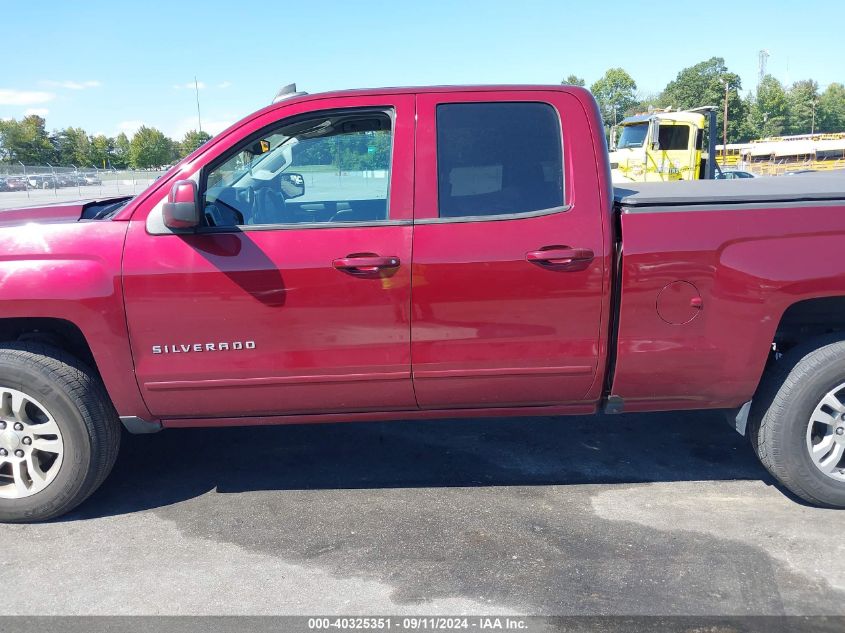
(418, 253)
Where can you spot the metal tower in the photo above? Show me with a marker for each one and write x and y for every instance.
(762, 58)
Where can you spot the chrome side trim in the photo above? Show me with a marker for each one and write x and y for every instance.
(567, 370)
(265, 381)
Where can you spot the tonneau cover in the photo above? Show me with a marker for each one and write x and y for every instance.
(800, 187)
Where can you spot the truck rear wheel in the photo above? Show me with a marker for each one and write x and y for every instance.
(59, 433)
(797, 424)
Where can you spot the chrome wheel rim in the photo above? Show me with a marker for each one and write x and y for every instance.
(31, 445)
(826, 434)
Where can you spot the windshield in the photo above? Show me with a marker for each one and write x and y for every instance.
(103, 210)
(633, 135)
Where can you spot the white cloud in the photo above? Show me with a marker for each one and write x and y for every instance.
(224, 84)
(10, 96)
(42, 112)
(129, 127)
(214, 127)
(72, 85)
(190, 86)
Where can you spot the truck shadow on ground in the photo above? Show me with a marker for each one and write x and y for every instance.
(177, 465)
(513, 514)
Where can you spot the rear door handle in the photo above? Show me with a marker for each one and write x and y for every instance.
(561, 257)
(365, 265)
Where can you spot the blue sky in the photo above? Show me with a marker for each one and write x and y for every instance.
(110, 66)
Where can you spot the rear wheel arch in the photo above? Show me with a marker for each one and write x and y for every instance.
(808, 320)
(808, 324)
(792, 387)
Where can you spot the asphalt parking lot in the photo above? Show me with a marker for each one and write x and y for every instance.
(37, 197)
(639, 514)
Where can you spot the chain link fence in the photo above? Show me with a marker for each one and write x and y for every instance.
(27, 185)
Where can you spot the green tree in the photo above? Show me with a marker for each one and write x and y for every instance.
(573, 80)
(647, 101)
(830, 112)
(803, 98)
(73, 147)
(120, 157)
(768, 111)
(26, 141)
(315, 151)
(192, 141)
(102, 150)
(64, 146)
(615, 93)
(149, 148)
(6, 135)
(704, 84)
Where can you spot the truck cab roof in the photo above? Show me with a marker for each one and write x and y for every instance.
(684, 116)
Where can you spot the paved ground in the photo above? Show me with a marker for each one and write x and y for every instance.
(640, 514)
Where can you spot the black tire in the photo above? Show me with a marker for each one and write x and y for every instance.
(77, 400)
(781, 410)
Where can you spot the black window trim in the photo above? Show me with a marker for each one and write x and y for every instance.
(389, 110)
(292, 226)
(500, 216)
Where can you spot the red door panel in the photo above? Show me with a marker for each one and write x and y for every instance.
(277, 320)
(495, 321)
(323, 340)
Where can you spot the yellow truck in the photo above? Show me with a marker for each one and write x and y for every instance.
(664, 145)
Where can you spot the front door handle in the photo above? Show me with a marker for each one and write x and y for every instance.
(561, 258)
(366, 265)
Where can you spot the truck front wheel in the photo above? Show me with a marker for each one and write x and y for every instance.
(59, 433)
(797, 424)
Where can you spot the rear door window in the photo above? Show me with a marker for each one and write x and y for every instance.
(498, 159)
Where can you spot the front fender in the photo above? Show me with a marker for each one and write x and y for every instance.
(72, 271)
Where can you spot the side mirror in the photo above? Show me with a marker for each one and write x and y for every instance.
(182, 209)
(654, 133)
(292, 185)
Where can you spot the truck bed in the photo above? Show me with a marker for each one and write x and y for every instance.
(731, 256)
(814, 187)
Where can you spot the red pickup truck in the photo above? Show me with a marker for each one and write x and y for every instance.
(418, 253)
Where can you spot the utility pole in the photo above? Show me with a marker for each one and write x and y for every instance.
(197, 90)
(813, 127)
(725, 121)
(25, 179)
